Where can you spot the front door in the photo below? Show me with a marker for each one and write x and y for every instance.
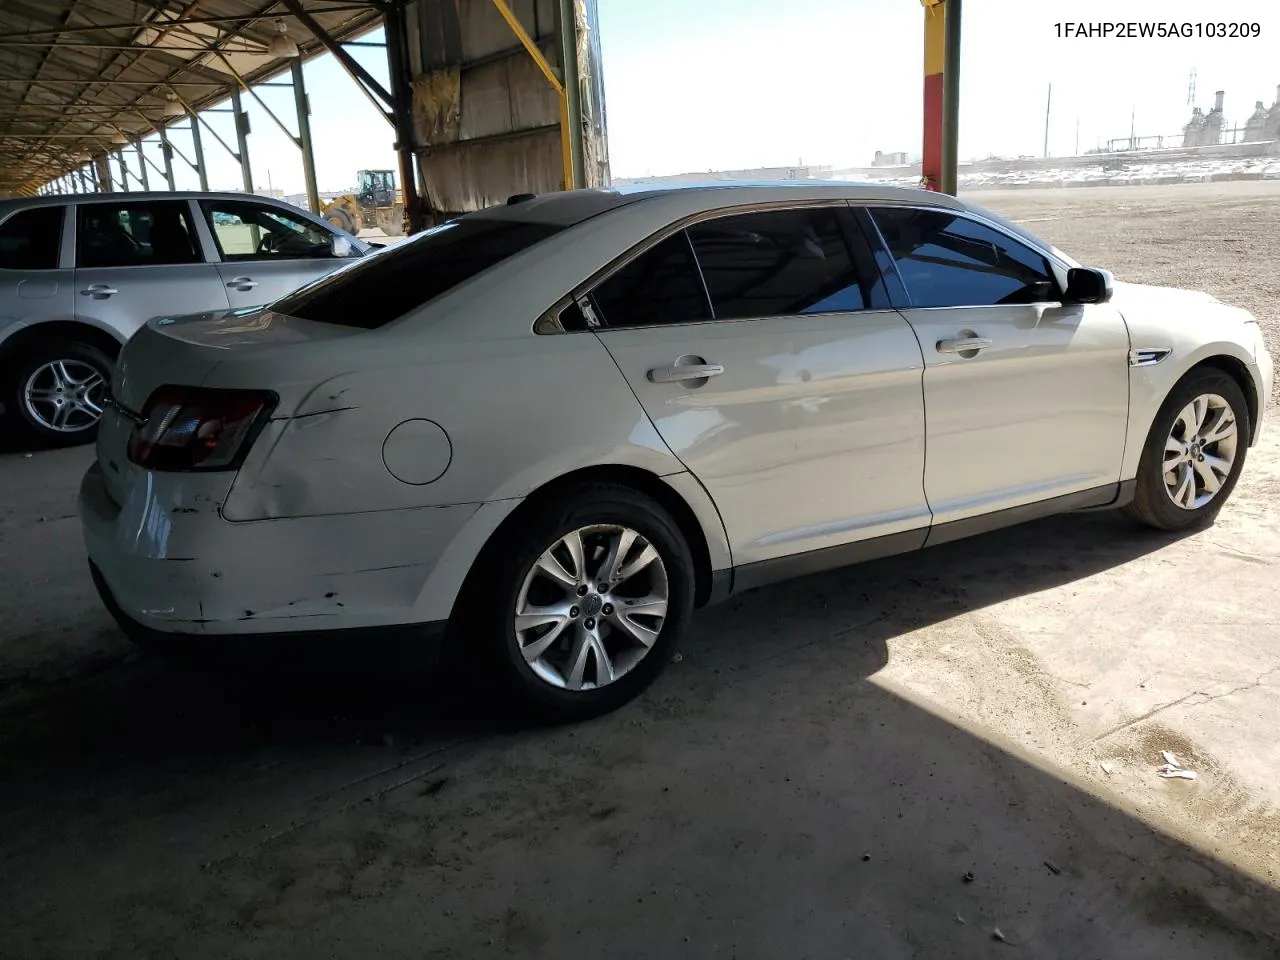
(1027, 399)
(266, 253)
(760, 346)
(138, 259)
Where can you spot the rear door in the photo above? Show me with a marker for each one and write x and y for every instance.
(35, 279)
(265, 252)
(138, 259)
(762, 346)
(1027, 398)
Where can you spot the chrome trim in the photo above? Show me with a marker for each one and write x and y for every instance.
(109, 401)
(1147, 356)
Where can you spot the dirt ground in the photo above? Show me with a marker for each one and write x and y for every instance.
(889, 761)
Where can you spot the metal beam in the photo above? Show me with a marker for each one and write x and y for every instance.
(362, 76)
(303, 107)
(185, 21)
(242, 141)
(250, 91)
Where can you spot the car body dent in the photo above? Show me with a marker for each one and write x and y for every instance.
(580, 413)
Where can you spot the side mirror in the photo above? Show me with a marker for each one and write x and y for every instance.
(339, 246)
(1088, 285)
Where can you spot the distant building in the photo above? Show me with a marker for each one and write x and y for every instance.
(1265, 123)
(897, 159)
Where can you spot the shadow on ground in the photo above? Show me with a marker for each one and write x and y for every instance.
(765, 799)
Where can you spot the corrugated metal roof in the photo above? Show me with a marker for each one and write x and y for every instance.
(75, 73)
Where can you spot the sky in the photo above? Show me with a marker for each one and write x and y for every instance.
(747, 83)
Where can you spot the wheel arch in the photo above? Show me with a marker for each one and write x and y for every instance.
(1150, 385)
(1239, 372)
(38, 333)
(660, 489)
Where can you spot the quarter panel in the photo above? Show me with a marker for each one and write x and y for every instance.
(518, 412)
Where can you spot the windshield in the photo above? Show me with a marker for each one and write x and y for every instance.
(386, 285)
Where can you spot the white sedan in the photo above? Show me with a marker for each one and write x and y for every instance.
(549, 430)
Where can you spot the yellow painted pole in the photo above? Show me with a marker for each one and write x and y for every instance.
(549, 72)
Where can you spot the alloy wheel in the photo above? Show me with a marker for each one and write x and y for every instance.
(592, 607)
(1200, 451)
(64, 396)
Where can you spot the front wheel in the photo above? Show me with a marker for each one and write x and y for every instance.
(580, 606)
(1193, 454)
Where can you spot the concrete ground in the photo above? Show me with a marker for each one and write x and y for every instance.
(892, 760)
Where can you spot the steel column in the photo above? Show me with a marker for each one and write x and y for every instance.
(242, 139)
(951, 101)
(124, 171)
(934, 64)
(415, 212)
(571, 114)
(198, 147)
(303, 106)
(102, 173)
(142, 165)
(166, 151)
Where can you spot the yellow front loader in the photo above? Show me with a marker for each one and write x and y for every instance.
(378, 204)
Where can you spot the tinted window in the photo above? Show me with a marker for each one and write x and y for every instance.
(777, 263)
(661, 286)
(135, 234)
(251, 231)
(30, 240)
(386, 285)
(950, 261)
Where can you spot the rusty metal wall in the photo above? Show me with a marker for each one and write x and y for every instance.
(486, 120)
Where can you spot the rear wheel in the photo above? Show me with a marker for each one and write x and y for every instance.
(1193, 454)
(579, 607)
(54, 393)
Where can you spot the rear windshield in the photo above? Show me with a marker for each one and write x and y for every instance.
(385, 285)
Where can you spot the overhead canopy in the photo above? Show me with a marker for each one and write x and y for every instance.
(76, 73)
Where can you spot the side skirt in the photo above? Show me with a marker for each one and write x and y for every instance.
(752, 575)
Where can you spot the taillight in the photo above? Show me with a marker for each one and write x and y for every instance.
(196, 428)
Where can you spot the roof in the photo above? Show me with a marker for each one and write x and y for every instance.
(75, 73)
(573, 206)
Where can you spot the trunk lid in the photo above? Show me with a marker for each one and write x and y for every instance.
(186, 350)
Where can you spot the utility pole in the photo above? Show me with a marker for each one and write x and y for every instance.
(1077, 136)
(1048, 101)
(1133, 127)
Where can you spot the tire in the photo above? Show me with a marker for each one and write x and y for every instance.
(1153, 500)
(342, 220)
(504, 579)
(35, 423)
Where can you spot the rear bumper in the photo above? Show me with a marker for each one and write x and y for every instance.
(422, 638)
(171, 564)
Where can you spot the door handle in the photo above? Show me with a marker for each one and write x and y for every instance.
(99, 291)
(682, 372)
(242, 283)
(963, 345)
